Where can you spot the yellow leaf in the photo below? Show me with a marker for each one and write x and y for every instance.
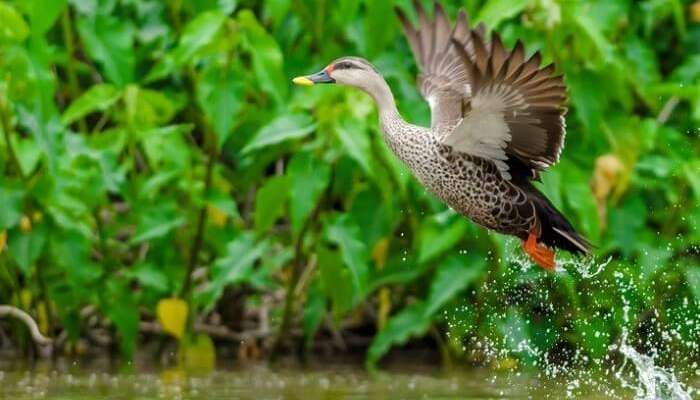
(25, 224)
(607, 176)
(42, 317)
(198, 354)
(3, 240)
(379, 252)
(25, 299)
(172, 315)
(217, 217)
(695, 12)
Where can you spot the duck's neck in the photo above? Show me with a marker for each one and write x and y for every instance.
(379, 90)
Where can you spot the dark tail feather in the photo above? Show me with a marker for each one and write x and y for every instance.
(556, 229)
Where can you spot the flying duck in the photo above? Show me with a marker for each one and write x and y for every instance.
(497, 121)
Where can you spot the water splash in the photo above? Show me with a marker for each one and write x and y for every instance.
(587, 267)
(648, 380)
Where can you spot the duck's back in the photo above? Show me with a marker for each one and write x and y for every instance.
(470, 185)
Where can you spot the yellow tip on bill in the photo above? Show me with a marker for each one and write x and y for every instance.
(302, 80)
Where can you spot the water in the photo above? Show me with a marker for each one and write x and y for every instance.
(259, 382)
(648, 380)
(408, 380)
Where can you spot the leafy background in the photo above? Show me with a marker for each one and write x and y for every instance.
(160, 176)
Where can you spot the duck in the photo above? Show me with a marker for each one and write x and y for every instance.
(497, 123)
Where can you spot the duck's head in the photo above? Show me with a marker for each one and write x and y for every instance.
(350, 71)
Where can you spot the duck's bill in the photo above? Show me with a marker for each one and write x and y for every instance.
(319, 77)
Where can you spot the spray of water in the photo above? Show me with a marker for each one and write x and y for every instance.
(648, 380)
(639, 373)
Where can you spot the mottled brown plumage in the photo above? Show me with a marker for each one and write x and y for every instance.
(497, 122)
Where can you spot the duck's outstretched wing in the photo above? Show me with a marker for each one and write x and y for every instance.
(443, 80)
(516, 109)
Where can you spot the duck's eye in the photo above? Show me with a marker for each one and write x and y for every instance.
(343, 65)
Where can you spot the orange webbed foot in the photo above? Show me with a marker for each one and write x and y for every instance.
(542, 255)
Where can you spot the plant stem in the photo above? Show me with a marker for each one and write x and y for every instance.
(6, 126)
(201, 219)
(442, 346)
(297, 266)
(44, 295)
(69, 42)
(297, 269)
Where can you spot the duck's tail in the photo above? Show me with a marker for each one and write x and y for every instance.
(556, 230)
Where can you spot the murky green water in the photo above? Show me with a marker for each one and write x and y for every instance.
(260, 382)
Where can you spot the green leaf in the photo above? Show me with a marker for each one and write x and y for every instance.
(28, 153)
(378, 33)
(355, 139)
(270, 201)
(308, 178)
(147, 108)
(99, 97)
(12, 25)
(436, 237)
(496, 11)
(412, 321)
(283, 128)
(150, 276)
(314, 311)
(693, 276)
(110, 41)
(234, 266)
(590, 27)
(346, 234)
(43, 14)
(587, 95)
(26, 247)
(399, 270)
(157, 222)
(219, 94)
(266, 55)
(11, 210)
(453, 275)
(335, 281)
(121, 308)
(198, 33)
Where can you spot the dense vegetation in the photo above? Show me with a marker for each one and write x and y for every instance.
(160, 175)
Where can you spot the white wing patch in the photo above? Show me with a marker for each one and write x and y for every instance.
(432, 102)
(484, 131)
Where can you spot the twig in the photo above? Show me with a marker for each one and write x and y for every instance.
(215, 331)
(667, 109)
(37, 336)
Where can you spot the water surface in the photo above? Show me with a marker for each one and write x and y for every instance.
(260, 382)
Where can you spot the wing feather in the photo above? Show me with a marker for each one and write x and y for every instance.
(523, 104)
(486, 100)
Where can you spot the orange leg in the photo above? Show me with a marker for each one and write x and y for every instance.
(539, 252)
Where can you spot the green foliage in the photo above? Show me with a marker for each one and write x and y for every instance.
(156, 149)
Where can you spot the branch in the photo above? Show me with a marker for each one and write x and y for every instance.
(28, 321)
